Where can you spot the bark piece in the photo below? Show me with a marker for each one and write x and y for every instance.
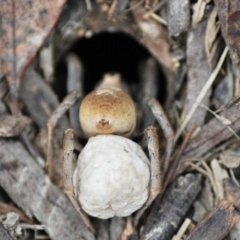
(103, 229)
(30, 188)
(216, 224)
(11, 224)
(41, 101)
(68, 26)
(11, 126)
(75, 82)
(229, 16)
(179, 16)
(3, 87)
(235, 232)
(116, 228)
(199, 211)
(198, 71)
(175, 203)
(4, 235)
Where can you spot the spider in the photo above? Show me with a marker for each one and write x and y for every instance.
(113, 176)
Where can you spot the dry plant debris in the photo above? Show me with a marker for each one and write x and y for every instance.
(11, 126)
(191, 66)
(216, 224)
(228, 13)
(24, 27)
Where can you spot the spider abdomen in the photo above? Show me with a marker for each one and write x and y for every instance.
(112, 177)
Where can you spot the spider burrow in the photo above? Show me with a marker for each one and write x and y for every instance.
(113, 176)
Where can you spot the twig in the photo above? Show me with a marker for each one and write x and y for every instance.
(171, 212)
(182, 229)
(158, 18)
(222, 119)
(32, 226)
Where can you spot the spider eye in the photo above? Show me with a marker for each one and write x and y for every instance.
(107, 111)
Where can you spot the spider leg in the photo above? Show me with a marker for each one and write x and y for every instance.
(75, 81)
(149, 88)
(68, 101)
(163, 121)
(156, 173)
(67, 175)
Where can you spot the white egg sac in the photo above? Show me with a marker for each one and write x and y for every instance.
(112, 177)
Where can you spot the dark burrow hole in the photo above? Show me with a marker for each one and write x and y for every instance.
(107, 52)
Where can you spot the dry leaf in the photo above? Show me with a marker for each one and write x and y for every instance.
(199, 9)
(24, 27)
(207, 197)
(230, 159)
(219, 174)
(211, 34)
(199, 211)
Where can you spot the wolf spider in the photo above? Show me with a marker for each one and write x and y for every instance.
(113, 176)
